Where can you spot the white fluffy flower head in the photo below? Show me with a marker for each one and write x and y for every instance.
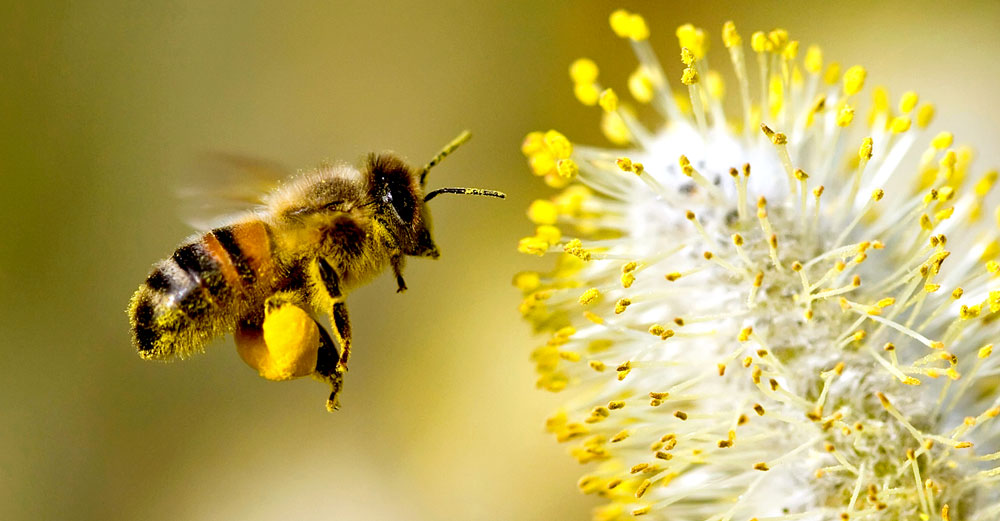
(785, 313)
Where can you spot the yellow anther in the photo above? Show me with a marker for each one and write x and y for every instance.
(608, 100)
(558, 145)
(908, 101)
(759, 42)
(925, 114)
(542, 163)
(638, 29)
(586, 93)
(567, 168)
(800, 174)
(845, 116)
(689, 76)
(543, 212)
(925, 222)
(878, 194)
(569, 356)
(533, 246)
(621, 436)
(854, 80)
(624, 164)
(620, 23)
(791, 50)
(761, 467)
(737, 239)
(865, 152)
(672, 276)
(583, 70)
(629, 25)
(886, 302)
(943, 140)
(693, 38)
(944, 214)
(730, 37)
(533, 143)
(593, 317)
(745, 334)
(900, 124)
(778, 38)
(716, 86)
(832, 74)
(590, 296)
(614, 128)
(527, 281)
(622, 305)
(576, 249)
(985, 184)
(614, 405)
(643, 487)
(814, 59)
(985, 351)
(687, 57)
(548, 233)
(640, 85)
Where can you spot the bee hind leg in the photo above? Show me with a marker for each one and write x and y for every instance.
(341, 325)
(326, 371)
(282, 342)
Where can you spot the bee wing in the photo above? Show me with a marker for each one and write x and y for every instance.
(227, 184)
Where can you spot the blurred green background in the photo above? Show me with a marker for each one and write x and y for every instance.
(104, 106)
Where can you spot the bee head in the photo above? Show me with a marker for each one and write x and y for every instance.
(395, 189)
(398, 190)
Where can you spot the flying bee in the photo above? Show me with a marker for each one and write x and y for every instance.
(270, 274)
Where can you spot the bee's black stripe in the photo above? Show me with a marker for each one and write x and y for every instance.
(199, 263)
(236, 256)
(145, 335)
(159, 280)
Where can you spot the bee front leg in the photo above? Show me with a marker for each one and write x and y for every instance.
(341, 325)
(397, 261)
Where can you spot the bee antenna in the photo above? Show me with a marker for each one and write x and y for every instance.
(448, 149)
(465, 191)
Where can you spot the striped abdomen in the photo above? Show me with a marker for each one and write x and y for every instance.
(201, 290)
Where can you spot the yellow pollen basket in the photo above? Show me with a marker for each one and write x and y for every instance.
(286, 348)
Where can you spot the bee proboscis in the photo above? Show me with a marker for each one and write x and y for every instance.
(270, 273)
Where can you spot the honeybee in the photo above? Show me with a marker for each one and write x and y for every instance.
(270, 273)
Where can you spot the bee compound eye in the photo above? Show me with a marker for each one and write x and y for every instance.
(402, 203)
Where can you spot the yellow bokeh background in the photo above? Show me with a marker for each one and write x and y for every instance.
(105, 105)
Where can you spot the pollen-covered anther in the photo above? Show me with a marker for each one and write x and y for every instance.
(608, 100)
(590, 296)
(623, 370)
(576, 249)
(622, 305)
